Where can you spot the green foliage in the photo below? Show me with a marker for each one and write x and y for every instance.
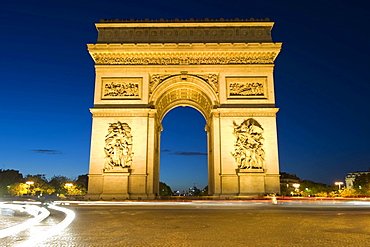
(285, 189)
(362, 184)
(74, 189)
(7, 178)
(40, 185)
(58, 182)
(82, 182)
(204, 192)
(164, 189)
(348, 193)
(310, 188)
(18, 189)
(66, 186)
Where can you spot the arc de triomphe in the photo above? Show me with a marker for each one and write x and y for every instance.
(222, 68)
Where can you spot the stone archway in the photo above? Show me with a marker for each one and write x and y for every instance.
(189, 89)
(185, 90)
(140, 78)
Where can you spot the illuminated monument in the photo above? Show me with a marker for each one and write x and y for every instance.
(222, 68)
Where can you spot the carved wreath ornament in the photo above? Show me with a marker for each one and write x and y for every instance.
(118, 146)
(248, 151)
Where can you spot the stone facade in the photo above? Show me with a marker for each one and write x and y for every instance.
(224, 69)
(351, 177)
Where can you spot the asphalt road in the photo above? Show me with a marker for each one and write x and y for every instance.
(202, 224)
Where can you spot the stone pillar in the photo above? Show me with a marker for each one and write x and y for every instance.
(214, 155)
(134, 181)
(241, 181)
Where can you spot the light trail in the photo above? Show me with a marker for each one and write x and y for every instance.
(39, 215)
(159, 203)
(236, 203)
(41, 235)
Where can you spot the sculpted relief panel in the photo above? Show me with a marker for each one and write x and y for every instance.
(118, 147)
(246, 87)
(248, 148)
(121, 88)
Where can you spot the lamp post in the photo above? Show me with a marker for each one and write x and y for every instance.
(296, 186)
(29, 183)
(68, 186)
(296, 189)
(339, 184)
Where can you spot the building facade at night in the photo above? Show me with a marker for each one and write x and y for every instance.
(351, 177)
(222, 68)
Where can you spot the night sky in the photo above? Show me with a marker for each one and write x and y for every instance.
(321, 82)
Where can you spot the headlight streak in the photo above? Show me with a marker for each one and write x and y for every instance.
(41, 236)
(326, 203)
(39, 213)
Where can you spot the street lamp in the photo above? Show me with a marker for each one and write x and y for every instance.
(339, 184)
(29, 183)
(68, 186)
(296, 186)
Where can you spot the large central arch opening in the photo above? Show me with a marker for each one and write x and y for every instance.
(183, 145)
(184, 160)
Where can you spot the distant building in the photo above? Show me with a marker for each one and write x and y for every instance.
(287, 182)
(194, 191)
(351, 177)
(178, 193)
(286, 178)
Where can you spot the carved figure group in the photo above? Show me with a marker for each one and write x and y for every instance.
(115, 89)
(248, 151)
(118, 146)
(246, 89)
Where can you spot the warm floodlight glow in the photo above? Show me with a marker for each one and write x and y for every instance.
(30, 182)
(296, 186)
(69, 184)
(339, 184)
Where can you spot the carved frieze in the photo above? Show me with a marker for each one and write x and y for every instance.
(118, 147)
(183, 58)
(246, 87)
(248, 148)
(209, 78)
(121, 88)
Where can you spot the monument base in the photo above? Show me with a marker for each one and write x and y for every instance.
(113, 196)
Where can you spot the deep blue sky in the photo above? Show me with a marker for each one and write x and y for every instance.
(321, 81)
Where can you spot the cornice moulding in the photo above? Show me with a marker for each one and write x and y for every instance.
(125, 46)
(245, 112)
(130, 112)
(185, 24)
